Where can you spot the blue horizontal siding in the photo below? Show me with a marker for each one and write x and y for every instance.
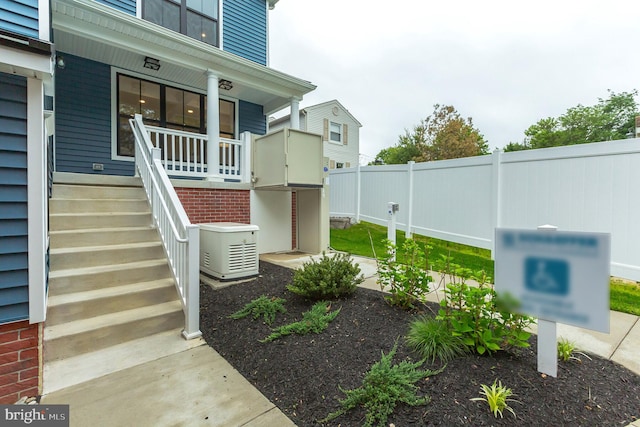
(20, 16)
(83, 118)
(126, 6)
(252, 118)
(14, 243)
(244, 30)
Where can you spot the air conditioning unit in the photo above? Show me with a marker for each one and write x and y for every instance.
(229, 250)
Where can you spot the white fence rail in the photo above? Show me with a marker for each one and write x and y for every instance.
(180, 238)
(586, 187)
(184, 153)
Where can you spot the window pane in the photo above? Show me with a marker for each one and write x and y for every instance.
(128, 95)
(192, 110)
(125, 137)
(174, 106)
(206, 7)
(163, 12)
(335, 129)
(227, 119)
(201, 28)
(150, 100)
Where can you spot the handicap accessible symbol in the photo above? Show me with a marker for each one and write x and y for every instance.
(549, 276)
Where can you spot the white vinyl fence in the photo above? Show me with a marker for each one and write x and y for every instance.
(586, 187)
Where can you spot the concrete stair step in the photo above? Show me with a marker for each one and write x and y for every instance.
(63, 206)
(91, 278)
(67, 372)
(93, 256)
(80, 221)
(102, 236)
(83, 305)
(87, 335)
(70, 191)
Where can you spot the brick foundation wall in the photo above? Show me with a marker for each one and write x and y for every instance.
(294, 217)
(19, 361)
(205, 205)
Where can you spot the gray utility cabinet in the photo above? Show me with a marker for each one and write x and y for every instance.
(288, 158)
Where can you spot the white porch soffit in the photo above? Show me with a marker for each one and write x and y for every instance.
(91, 30)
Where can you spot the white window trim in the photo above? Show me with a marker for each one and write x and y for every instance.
(114, 105)
(341, 135)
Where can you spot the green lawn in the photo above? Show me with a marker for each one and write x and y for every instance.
(357, 240)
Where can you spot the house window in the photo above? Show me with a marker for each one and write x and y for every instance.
(165, 106)
(197, 19)
(339, 165)
(335, 132)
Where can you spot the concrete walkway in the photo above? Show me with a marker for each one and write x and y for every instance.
(198, 387)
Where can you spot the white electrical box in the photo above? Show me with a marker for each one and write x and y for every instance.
(229, 250)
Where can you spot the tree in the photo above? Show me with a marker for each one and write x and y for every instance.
(442, 135)
(609, 119)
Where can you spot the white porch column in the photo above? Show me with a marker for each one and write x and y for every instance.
(213, 127)
(295, 113)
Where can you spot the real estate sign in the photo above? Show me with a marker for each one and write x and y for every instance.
(556, 276)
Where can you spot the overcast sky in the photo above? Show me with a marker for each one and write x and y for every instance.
(506, 64)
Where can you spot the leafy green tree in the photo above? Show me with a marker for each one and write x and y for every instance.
(445, 134)
(609, 119)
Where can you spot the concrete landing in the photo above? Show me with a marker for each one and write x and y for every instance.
(194, 387)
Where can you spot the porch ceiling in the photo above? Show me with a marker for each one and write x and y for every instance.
(91, 30)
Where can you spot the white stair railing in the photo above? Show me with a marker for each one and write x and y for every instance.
(180, 238)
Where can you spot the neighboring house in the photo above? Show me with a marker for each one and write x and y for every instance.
(197, 67)
(339, 129)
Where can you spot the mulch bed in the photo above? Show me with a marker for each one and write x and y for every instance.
(301, 374)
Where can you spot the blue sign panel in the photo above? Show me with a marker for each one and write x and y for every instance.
(547, 276)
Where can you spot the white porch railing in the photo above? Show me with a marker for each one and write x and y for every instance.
(180, 238)
(185, 153)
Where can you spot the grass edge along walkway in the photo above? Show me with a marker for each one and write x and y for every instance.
(356, 240)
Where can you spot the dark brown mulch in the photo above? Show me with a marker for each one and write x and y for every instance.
(301, 374)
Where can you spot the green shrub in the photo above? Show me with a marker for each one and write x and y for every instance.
(262, 306)
(432, 338)
(315, 320)
(406, 282)
(328, 278)
(476, 315)
(383, 387)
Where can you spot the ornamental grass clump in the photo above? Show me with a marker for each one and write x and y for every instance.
(330, 277)
(383, 387)
(262, 306)
(433, 339)
(497, 397)
(315, 320)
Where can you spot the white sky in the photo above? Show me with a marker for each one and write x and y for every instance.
(506, 64)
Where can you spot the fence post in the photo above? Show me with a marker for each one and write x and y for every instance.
(358, 191)
(245, 137)
(496, 196)
(408, 233)
(192, 287)
(392, 210)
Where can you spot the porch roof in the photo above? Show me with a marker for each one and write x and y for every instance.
(92, 30)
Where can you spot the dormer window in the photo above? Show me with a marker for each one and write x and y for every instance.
(195, 18)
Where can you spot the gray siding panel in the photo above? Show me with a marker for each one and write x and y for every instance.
(252, 118)
(83, 118)
(14, 261)
(244, 30)
(20, 16)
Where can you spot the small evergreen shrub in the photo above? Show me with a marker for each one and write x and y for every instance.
(383, 387)
(433, 339)
(315, 320)
(262, 306)
(328, 278)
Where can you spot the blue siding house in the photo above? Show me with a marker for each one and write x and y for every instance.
(184, 67)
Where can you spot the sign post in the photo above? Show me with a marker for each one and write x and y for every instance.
(556, 277)
(392, 209)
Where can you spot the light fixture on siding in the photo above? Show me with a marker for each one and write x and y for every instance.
(60, 62)
(225, 84)
(151, 63)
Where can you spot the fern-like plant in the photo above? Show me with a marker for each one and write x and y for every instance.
(262, 306)
(330, 277)
(433, 339)
(384, 386)
(315, 320)
(497, 396)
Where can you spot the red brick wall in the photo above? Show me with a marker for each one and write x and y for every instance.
(19, 361)
(294, 217)
(215, 205)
